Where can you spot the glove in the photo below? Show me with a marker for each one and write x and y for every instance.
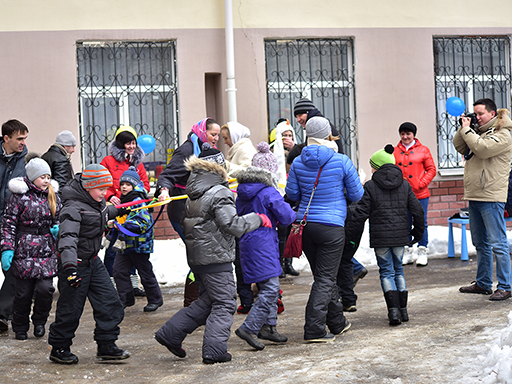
(73, 279)
(122, 211)
(54, 231)
(7, 259)
(266, 221)
(416, 237)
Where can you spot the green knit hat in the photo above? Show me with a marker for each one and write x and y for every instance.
(384, 156)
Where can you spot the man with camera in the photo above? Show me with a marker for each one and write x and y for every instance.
(487, 147)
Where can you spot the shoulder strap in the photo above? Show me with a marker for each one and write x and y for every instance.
(311, 198)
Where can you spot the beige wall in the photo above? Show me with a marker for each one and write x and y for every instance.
(392, 40)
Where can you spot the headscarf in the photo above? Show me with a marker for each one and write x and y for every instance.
(283, 126)
(237, 131)
(199, 130)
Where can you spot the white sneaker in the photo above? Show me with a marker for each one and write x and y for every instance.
(422, 259)
(408, 256)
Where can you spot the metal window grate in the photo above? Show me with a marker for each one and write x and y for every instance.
(127, 83)
(319, 69)
(469, 67)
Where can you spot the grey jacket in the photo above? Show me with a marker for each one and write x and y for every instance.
(210, 222)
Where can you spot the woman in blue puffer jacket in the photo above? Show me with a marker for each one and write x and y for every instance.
(324, 235)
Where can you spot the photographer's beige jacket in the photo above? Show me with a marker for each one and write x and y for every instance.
(486, 173)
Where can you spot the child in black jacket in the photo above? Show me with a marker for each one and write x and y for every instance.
(387, 199)
(81, 273)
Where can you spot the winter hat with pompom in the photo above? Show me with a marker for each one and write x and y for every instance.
(212, 154)
(264, 158)
(130, 176)
(383, 156)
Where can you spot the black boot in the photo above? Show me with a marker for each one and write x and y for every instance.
(282, 275)
(110, 351)
(288, 268)
(269, 332)
(403, 305)
(393, 303)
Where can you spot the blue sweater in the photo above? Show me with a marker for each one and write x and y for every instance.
(329, 205)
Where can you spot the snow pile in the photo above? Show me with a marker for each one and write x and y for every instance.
(497, 366)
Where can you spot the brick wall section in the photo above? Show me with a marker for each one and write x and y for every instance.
(446, 198)
(163, 228)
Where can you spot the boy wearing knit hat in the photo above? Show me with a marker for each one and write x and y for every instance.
(386, 202)
(137, 233)
(81, 272)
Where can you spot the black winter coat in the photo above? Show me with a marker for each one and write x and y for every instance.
(82, 221)
(175, 173)
(10, 167)
(387, 199)
(60, 164)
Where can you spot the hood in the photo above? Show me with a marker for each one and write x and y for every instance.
(74, 191)
(315, 156)
(203, 176)
(389, 176)
(120, 154)
(23, 185)
(252, 180)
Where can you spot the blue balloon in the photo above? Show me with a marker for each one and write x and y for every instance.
(455, 106)
(147, 143)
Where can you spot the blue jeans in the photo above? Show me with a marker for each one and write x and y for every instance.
(424, 240)
(358, 267)
(488, 233)
(264, 309)
(391, 271)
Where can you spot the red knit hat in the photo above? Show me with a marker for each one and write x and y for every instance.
(96, 176)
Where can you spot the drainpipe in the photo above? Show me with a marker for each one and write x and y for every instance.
(230, 60)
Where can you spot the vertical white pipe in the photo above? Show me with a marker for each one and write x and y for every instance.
(230, 61)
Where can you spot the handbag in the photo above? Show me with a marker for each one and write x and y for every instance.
(293, 246)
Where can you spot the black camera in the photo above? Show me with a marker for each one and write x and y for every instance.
(474, 121)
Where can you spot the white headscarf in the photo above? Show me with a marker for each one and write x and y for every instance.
(237, 131)
(282, 127)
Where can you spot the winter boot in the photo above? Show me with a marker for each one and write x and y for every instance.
(403, 305)
(250, 338)
(408, 257)
(393, 303)
(269, 332)
(282, 275)
(288, 268)
(63, 356)
(135, 284)
(110, 351)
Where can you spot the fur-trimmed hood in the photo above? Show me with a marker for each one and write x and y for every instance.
(120, 154)
(256, 175)
(204, 175)
(22, 185)
(194, 163)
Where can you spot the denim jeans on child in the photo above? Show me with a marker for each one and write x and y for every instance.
(488, 233)
(264, 309)
(391, 271)
(424, 240)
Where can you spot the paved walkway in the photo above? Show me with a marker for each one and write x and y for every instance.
(440, 344)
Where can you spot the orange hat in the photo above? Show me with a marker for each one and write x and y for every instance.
(96, 176)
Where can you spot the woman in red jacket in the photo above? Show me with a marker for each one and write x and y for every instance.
(418, 168)
(123, 153)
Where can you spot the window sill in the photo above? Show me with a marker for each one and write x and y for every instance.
(451, 172)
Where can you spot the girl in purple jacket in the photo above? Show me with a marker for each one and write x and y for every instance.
(259, 250)
(30, 224)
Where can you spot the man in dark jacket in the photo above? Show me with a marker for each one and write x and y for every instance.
(58, 157)
(12, 164)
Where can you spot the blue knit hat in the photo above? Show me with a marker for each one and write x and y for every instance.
(130, 176)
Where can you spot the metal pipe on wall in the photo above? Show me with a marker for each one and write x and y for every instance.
(230, 60)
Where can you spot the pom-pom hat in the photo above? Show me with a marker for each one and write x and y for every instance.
(130, 176)
(212, 154)
(383, 156)
(264, 158)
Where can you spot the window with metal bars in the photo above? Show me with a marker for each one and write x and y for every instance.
(127, 83)
(321, 70)
(469, 67)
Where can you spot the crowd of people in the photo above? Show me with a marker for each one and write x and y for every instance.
(54, 222)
